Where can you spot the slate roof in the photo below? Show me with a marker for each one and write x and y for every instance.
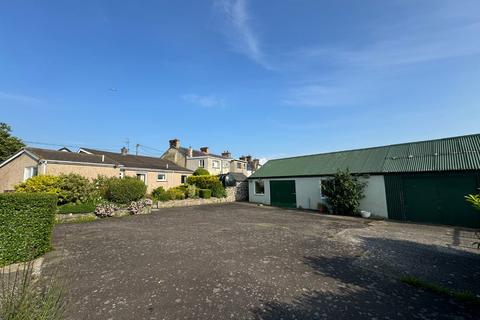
(143, 162)
(449, 154)
(47, 154)
(198, 153)
(239, 177)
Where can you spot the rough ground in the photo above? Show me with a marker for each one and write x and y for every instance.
(240, 261)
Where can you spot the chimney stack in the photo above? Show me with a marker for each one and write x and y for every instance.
(255, 164)
(243, 158)
(124, 151)
(190, 152)
(226, 154)
(248, 158)
(174, 143)
(204, 149)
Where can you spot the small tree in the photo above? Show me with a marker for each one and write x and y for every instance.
(201, 172)
(344, 192)
(474, 199)
(9, 144)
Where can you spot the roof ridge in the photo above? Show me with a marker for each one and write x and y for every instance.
(377, 147)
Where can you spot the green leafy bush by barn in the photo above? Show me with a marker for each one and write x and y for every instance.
(344, 192)
(26, 225)
(125, 190)
(205, 193)
(201, 172)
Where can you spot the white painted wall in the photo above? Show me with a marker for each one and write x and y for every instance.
(309, 194)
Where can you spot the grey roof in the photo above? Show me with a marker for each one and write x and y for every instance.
(198, 153)
(47, 154)
(142, 162)
(449, 154)
(239, 177)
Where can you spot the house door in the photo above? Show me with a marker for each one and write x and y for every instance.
(142, 176)
(282, 193)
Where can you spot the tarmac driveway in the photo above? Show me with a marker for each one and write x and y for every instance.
(240, 261)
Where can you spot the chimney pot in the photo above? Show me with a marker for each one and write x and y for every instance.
(174, 143)
(124, 151)
(204, 149)
(226, 154)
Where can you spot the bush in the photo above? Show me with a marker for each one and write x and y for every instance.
(204, 182)
(218, 191)
(76, 188)
(205, 193)
(201, 172)
(100, 184)
(474, 200)
(192, 191)
(26, 223)
(85, 207)
(157, 193)
(126, 190)
(41, 184)
(343, 193)
(68, 187)
(176, 193)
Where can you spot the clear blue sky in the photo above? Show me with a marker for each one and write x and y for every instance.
(270, 78)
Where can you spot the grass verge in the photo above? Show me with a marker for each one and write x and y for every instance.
(466, 296)
(24, 297)
(81, 219)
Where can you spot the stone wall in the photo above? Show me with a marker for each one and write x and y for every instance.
(241, 191)
(193, 202)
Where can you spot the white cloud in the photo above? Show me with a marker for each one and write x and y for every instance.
(239, 31)
(209, 101)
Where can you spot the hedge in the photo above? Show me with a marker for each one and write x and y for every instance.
(26, 225)
(126, 190)
(84, 207)
(204, 182)
(205, 193)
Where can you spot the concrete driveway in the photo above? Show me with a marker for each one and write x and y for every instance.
(240, 261)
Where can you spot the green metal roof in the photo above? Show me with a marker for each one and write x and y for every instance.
(449, 154)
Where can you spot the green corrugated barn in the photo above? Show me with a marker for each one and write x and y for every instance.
(422, 181)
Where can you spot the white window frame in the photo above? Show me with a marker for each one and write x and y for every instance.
(164, 177)
(215, 164)
(29, 172)
(225, 164)
(201, 163)
(239, 165)
(255, 187)
(144, 174)
(122, 174)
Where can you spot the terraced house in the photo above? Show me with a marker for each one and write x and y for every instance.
(203, 158)
(424, 181)
(90, 163)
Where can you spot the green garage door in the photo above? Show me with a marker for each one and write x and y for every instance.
(433, 198)
(282, 193)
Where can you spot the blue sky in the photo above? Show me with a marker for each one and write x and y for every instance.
(270, 78)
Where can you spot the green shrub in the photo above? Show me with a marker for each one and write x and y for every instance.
(343, 193)
(176, 193)
(68, 187)
(192, 191)
(204, 182)
(76, 188)
(165, 197)
(205, 193)
(157, 193)
(42, 184)
(26, 223)
(126, 190)
(83, 207)
(218, 191)
(100, 184)
(201, 172)
(474, 200)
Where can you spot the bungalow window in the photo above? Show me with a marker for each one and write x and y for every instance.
(201, 163)
(215, 164)
(162, 176)
(259, 187)
(29, 172)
